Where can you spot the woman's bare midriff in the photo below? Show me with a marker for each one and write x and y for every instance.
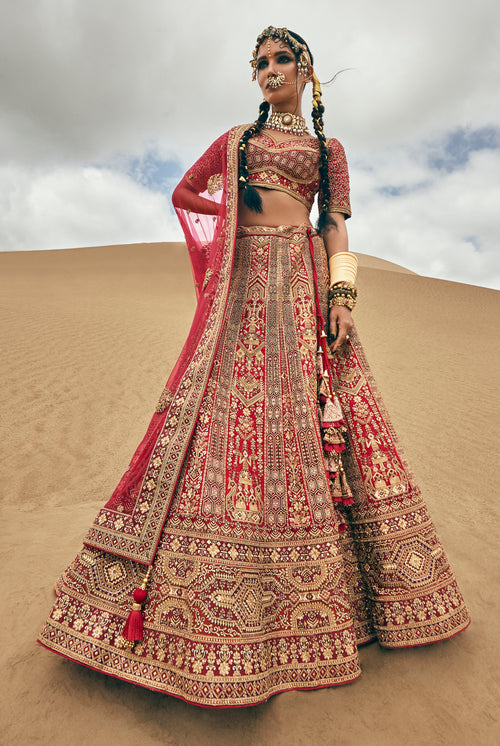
(278, 208)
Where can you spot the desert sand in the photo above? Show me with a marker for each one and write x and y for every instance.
(88, 339)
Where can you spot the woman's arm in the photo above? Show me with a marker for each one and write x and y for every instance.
(186, 195)
(335, 240)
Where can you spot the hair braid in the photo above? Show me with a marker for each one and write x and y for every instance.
(325, 219)
(251, 197)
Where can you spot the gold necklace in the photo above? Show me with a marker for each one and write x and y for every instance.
(286, 122)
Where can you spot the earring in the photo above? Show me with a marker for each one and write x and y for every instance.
(303, 63)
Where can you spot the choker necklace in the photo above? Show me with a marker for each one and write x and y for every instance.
(285, 122)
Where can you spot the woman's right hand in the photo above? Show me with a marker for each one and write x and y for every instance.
(341, 323)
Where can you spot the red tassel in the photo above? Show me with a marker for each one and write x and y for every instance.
(133, 630)
(331, 464)
(333, 440)
(331, 418)
(134, 627)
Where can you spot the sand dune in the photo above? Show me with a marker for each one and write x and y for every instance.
(88, 339)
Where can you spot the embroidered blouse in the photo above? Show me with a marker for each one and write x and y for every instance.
(291, 166)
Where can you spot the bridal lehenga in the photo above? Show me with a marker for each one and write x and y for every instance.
(271, 538)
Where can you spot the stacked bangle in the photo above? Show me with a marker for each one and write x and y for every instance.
(343, 294)
(343, 271)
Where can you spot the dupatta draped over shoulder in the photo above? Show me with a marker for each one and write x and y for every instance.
(130, 523)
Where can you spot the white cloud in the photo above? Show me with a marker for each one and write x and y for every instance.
(70, 207)
(449, 229)
(83, 81)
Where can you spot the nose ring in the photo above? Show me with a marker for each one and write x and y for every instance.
(275, 80)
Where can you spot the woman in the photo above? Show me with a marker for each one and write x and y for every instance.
(268, 524)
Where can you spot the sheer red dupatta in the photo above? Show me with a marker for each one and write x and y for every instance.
(206, 204)
(200, 201)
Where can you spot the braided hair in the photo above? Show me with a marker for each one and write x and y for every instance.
(251, 197)
(325, 220)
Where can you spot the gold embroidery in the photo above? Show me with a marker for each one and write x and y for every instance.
(164, 401)
(206, 279)
(253, 589)
(140, 535)
(215, 183)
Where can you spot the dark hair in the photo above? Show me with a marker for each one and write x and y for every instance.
(251, 197)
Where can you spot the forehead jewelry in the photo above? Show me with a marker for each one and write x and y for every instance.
(282, 34)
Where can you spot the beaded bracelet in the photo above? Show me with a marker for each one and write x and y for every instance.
(339, 300)
(343, 294)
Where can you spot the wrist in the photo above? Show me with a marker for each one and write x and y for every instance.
(343, 294)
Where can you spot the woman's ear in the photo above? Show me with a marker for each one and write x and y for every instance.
(310, 73)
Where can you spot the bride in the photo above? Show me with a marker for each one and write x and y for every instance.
(268, 524)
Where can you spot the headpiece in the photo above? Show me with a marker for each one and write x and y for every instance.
(300, 50)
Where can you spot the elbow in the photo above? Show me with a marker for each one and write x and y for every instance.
(176, 195)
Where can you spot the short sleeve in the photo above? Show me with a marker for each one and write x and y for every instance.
(338, 176)
(209, 167)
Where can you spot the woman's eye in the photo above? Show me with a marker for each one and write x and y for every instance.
(283, 59)
(261, 65)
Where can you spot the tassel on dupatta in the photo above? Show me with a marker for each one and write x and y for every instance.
(133, 631)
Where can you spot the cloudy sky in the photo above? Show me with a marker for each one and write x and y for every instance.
(105, 103)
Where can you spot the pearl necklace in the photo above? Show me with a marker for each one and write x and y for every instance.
(286, 122)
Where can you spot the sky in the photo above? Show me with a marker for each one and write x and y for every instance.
(104, 104)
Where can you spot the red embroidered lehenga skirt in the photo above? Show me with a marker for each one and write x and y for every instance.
(263, 580)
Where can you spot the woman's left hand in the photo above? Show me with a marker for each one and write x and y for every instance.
(341, 324)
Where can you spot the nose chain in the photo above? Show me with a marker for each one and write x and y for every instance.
(275, 80)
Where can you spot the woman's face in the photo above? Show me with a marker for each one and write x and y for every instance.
(277, 75)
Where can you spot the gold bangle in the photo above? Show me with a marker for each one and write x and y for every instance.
(342, 300)
(343, 267)
(343, 288)
(343, 294)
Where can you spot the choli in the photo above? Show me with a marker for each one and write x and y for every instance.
(292, 166)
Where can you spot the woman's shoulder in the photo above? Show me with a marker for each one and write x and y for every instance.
(334, 145)
(236, 131)
(239, 129)
(222, 142)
